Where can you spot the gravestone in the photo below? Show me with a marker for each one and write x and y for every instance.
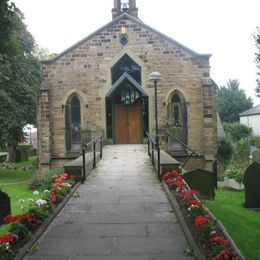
(5, 206)
(202, 181)
(251, 181)
(18, 156)
(24, 155)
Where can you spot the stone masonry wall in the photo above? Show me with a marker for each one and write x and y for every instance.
(86, 71)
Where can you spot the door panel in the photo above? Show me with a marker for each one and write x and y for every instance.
(134, 125)
(121, 117)
(127, 124)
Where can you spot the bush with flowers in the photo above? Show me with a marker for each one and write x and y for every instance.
(207, 235)
(22, 226)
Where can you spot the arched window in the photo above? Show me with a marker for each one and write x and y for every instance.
(73, 124)
(178, 116)
(126, 64)
(176, 111)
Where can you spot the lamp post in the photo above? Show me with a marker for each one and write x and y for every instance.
(155, 77)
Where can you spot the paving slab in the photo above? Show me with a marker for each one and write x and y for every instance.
(119, 213)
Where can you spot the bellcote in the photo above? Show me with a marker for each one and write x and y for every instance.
(121, 6)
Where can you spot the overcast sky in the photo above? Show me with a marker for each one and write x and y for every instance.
(223, 28)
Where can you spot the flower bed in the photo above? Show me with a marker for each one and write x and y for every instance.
(210, 238)
(22, 226)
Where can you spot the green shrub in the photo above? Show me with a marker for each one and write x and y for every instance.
(237, 131)
(47, 178)
(225, 149)
(235, 171)
(44, 181)
(19, 229)
(41, 212)
(255, 140)
(23, 147)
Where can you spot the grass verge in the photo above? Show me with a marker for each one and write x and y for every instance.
(14, 183)
(242, 224)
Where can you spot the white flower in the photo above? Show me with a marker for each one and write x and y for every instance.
(22, 207)
(67, 185)
(40, 202)
(46, 191)
(30, 200)
(21, 201)
(36, 193)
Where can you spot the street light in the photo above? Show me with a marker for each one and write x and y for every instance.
(155, 77)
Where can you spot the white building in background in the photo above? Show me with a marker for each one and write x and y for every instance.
(251, 118)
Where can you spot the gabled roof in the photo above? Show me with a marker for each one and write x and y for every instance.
(134, 19)
(252, 111)
(131, 80)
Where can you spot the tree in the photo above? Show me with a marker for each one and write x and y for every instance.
(44, 54)
(231, 101)
(257, 59)
(20, 75)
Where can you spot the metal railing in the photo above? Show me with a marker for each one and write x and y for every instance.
(95, 144)
(152, 146)
(189, 155)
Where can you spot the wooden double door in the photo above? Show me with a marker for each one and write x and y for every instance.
(127, 124)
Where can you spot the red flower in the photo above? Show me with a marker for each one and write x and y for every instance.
(8, 238)
(52, 197)
(11, 219)
(179, 182)
(173, 173)
(219, 240)
(194, 202)
(185, 194)
(200, 221)
(170, 182)
(58, 183)
(167, 175)
(226, 254)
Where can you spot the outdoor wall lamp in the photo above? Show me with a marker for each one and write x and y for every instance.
(123, 36)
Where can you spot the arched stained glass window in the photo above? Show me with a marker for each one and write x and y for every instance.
(73, 124)
(176, 111)
(126, 64)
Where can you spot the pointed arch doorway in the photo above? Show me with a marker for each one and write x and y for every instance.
(127, 111)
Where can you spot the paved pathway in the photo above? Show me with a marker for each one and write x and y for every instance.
(121, 213)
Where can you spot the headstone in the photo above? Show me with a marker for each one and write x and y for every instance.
(17, 156)
(5, 206)
(251, 181)
(24, 155)
(202, 181)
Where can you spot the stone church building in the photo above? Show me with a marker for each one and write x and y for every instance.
(101, 85)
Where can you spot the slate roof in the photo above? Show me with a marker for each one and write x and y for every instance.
(136, 20)
(252, 111)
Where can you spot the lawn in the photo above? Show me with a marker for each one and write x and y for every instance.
(14, 183)
(26, 163)
(242, 224)
(13, 176)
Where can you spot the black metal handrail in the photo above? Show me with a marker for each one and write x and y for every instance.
(192, 152)
(93, 142)
(155, 146)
